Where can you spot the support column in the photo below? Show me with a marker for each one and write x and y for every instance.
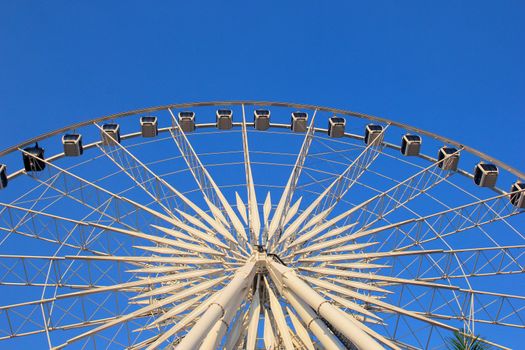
(289, 279)
(219, 329)
(225, 301)
(313, 322)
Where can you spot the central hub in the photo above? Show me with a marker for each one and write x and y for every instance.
(260, 258)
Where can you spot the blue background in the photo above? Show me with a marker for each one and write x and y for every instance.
(454, 68)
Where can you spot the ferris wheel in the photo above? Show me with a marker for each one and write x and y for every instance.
(257, 225)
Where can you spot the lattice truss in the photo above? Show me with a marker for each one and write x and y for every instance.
(250, 239)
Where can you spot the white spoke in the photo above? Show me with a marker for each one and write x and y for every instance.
(381, 205)
(374, 301)
(253, 318)
(284, 203)
(278, 315)
(337, 189)
(144, 310)
(206, 183)
(266, 209)
(77, 188)
(300, 330)
(241, 208)
(118, 242)
(182, 323)
(158, 189)
(253, 210)
(269, 335)
(224, 302)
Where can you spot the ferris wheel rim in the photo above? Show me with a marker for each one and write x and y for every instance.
(258, 204)
(519, 174)
(137, 134)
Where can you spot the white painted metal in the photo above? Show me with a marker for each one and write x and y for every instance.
(153, 306)
(278, 316)
(253, 319)
(218, 331)
(205, 181)
(313, 322)
(269, 334)
(182, 323)
(283, 207)
(241, 208)
(180, 273)
(290, 280)
(267, 207)
(253, 209)
(300, 330)
(218, 308)
(235, 333)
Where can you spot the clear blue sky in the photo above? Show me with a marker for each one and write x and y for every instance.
(455, 68)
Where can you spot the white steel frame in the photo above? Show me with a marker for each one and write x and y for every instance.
(241, 273)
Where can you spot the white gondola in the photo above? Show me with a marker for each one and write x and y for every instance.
(33, 158)
(336, 127)
(261, 119)
(149, 126)
(518, 198)
(110, 134)
(3, 176)
(187, 121)
(485, 175)
(299, 120)
(448, 158)
(410, 145)
(224, 119)
(373, 134)
(72, 145)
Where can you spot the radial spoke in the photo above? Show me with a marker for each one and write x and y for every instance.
(142, 311)
(158, 340)
(278, 316)
(489, 307)
(379, 206)
(207, 185)
(449, 222)
(157, 188)
(241, 208)
(143, 176)
(51, 271)
(349, 293)
(337, 189)
(371, 276)
(94, 196)
(461, 263)
(283, 206)
(173, 313)
(253, 318)
(253, 210)
(442, 224)
(392, 248)
(225, 301)
(366, 256)
(60, 229)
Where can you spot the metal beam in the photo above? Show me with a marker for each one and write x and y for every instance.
(346, 326)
